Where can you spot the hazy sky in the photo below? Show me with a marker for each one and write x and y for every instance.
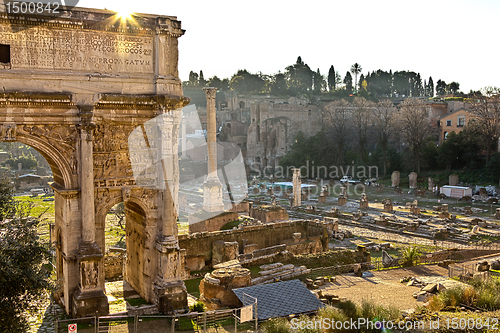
(450, 40)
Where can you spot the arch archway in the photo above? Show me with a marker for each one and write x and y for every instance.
(138, 261)
(61, 170)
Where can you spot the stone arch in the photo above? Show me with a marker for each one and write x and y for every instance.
(137, 238)
(61, 169)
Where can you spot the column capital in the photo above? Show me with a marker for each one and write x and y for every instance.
(210, 92)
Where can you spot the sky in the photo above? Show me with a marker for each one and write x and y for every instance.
(448, 40)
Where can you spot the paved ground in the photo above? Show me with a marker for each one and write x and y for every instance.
(384, 288)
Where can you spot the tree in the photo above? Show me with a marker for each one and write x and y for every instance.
(337, 114)
(318, 82)
(193, 78)
(441, 88)
(356, 69)
(414, 125)
(486, 110)
(201, 81)
(23, 278)
(215, 82)
(348, 82)
(453, 87)
(383, 122)
(361, 120)
(430, 87)
(299, 77)
(331, 79)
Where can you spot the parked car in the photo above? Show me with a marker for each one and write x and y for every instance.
(349, 179)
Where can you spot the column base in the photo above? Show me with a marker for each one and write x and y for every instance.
(89, 303)
(171, 295)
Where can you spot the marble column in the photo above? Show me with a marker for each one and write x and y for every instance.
(297, 188)
(212, 187)
(89, 297)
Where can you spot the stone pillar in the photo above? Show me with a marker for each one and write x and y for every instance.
(395, 178)
(212, 188)
(89, 297)
(183, 138)
(169, 290)
(297, 188)
(412, 178)
(453, 180)
(431, 184)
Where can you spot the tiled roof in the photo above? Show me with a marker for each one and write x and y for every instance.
(280, 299)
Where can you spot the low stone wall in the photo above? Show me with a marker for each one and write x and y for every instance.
(459, 255)
(113, 266)
(212, 224)
(313, 239)
(268, 214)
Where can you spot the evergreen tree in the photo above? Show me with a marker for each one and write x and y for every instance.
(430, 87)
(193, 78)
(331, 78)
(318, 81)
(348, 82)
(441, 88)
(24, 281)
(361, 79)
(202, 82)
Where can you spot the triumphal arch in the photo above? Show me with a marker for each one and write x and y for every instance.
(74, 85)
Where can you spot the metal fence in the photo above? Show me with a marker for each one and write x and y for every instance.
(433, 258)
(193, 321)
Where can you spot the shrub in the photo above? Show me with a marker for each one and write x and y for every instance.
(198, 307)
(410, 255)
(349, 309)
(276, 325)
(452, 296)
(333, 314)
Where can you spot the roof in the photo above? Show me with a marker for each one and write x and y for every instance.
(30, 175)
(454, 112)
(280, 299)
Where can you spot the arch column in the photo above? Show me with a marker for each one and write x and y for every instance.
(89, 297)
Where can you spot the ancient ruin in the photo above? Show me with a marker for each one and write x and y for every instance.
(75, 89)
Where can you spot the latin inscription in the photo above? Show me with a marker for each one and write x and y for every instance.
(103, 52)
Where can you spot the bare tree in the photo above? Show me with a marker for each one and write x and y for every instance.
(383, 122)
(361, 121)
(486, 111)
(337, 114)
(413, 123)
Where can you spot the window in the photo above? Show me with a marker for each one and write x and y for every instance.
(4, 53)
(445, 135)
(461, 121)
(448, 123)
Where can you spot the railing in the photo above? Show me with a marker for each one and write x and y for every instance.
(193, 321)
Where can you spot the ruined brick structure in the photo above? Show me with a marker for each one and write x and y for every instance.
(75, 87)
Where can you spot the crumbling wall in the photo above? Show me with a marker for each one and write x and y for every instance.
(314, 236)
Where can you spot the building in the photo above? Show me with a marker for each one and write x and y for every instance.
(453, 122)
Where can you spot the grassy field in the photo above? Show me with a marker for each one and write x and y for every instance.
(35, 206)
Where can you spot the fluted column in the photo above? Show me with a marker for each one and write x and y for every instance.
(87, 183)
(212, 188)
(210, 93)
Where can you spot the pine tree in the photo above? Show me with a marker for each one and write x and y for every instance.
(331, 78)
(348, 82)
(202, 82)
(430, 87)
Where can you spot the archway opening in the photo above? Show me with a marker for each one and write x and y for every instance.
(123, 234)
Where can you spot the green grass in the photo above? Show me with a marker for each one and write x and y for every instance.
(230, 225)
(193, 286)
(136, 301)
(40, 207)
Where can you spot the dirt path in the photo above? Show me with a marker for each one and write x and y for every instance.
(384, 288)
